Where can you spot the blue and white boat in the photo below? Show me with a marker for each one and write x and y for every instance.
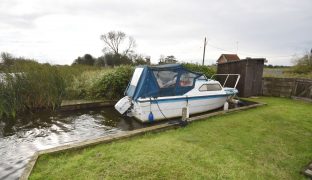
(161, 92)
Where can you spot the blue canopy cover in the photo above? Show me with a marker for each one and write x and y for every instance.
(159, 81)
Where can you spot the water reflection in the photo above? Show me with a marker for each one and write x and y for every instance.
(19, 139)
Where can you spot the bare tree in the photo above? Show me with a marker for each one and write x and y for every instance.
(131, 46)
(113, 40)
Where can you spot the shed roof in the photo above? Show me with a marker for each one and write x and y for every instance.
(229, 57)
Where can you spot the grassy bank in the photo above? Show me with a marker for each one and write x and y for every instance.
(270, 142)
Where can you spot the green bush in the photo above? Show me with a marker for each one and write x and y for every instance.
(303, 64)
(78, 78)
(112, 84)
(30, 86)
(207, 70)
(80, 86)
(302, 69)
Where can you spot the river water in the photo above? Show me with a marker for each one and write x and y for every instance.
(21, 138)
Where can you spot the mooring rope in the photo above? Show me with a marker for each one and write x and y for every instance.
(160, 110)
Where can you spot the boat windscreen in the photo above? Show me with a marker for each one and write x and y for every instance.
(187, 79)
(166, 79)
(172, 82)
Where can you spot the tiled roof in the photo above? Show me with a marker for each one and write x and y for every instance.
(230, 57)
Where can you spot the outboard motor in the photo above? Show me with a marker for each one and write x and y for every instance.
(123, 104)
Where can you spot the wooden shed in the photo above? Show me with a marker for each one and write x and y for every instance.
(250, 69)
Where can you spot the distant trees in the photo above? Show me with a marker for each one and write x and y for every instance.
(100, 61)
(87, 59)
(111, 59)
(167, 60)
(171, 59)
(116, 59)
(140, 59)
(115, 40)
(275, 66)
(118, 49)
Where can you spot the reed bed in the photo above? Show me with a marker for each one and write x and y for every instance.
(29, 87)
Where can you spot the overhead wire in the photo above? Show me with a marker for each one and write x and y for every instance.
(247, 53)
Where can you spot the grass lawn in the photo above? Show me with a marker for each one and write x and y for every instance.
(269, 142)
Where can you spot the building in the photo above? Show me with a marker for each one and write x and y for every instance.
(250, 71)
(224, 58)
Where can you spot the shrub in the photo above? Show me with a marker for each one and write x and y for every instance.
(302, 69)
(80, 86)
(208, 71)
(111, 85)
(303, 64)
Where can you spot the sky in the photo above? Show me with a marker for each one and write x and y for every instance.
(58, 31)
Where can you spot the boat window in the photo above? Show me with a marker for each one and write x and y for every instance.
(187, 79)
(210, 87)
(166, 79)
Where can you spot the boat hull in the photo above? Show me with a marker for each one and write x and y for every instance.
(167, 108)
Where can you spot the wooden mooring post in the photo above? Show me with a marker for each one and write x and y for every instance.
(185, 116)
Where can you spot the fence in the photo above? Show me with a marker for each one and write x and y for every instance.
(287, 87)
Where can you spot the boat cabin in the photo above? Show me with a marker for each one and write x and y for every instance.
(162, 81)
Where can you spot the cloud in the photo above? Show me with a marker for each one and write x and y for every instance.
(59, 31)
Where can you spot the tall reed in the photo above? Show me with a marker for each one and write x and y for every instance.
(29, 86)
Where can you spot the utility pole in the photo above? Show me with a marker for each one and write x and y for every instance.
(205, 43)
